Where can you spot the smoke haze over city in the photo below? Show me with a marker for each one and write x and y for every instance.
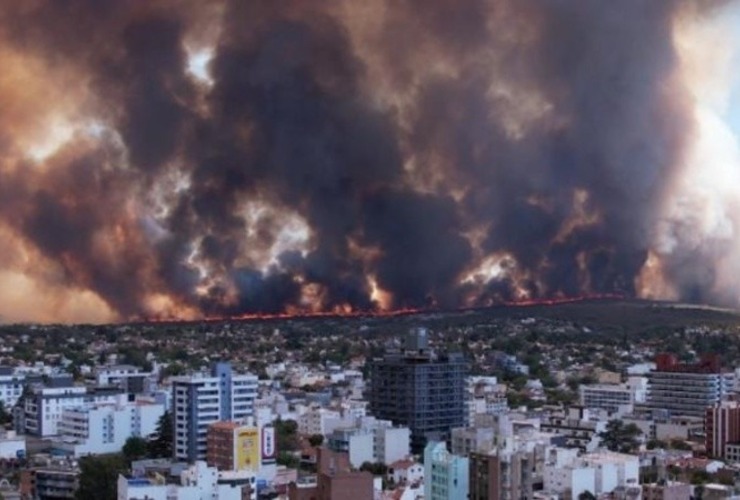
(189, 159)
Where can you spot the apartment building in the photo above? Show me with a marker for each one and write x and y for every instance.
(11, 386)
(721, 427)
(198, 482)
(104, 428)
(233, 446)
(614, 397)
(200, 400)
(445, 475)
(687, 389)
(44, 407)
(579, 428)
(420, 389)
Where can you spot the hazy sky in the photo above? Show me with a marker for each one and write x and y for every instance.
(182, 159)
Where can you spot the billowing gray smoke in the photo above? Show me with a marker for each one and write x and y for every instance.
(338, 155)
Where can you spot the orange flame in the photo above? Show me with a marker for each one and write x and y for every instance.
(347, 312)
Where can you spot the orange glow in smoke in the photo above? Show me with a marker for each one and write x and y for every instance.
(345, 311)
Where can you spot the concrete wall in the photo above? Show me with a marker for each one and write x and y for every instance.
(360, 449)
(392, 444)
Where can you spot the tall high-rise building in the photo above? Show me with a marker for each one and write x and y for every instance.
(420, 389)
(722, 426)
(687, 389)
(200, 400)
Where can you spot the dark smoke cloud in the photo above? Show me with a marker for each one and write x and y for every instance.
(423, 250)
(548, 128)
(75, 215)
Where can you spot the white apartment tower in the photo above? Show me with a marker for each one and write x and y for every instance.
(202, 399)
(104, 428)
(687, 389)
(614, 397)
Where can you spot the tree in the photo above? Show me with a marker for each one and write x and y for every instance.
(6, 417)
(26, 393)
(288, 459)
(315, 440)
(99, 476)
(700, 477)
(558, 396)
(620, 437)
(679, 444)
(674, 471)
(160, 442)
(586, 495)
(135, 356)
(75, 371)
(286, 435)
(172, 369)
(376, 469)
(517, 399)
(656, 443)
(135, 448)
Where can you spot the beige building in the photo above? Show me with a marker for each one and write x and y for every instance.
(666, 491)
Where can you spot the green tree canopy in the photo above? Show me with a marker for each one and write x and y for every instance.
(620, 437)
(135, 448)
(315, 439)
(376, 469)
(161, 441)
(99, 476)
(288, 459)
(6, 417)
(286, 435)
(700, 477)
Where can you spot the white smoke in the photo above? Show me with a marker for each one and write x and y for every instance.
(701, 219)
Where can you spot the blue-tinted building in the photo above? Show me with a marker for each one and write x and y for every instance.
(420, 389)
(202, 399)
(446, 476)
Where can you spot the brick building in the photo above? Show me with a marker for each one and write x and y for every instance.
(335, 480)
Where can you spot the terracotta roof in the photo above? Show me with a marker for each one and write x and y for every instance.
(225, 425)
(404, 463)
(692, 463)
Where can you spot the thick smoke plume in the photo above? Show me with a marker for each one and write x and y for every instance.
(191, 158)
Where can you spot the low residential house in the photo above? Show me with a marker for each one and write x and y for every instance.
(406, 471)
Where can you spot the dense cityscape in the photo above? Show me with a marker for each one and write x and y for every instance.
(606, 399)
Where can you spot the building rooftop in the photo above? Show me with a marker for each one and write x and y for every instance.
(604, 457)
(225, 425)
(106, 368)
(402, 464)
(708, 364)
(139, 481)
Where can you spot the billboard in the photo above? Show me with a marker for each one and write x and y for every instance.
(247, 448)
(269, 448)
